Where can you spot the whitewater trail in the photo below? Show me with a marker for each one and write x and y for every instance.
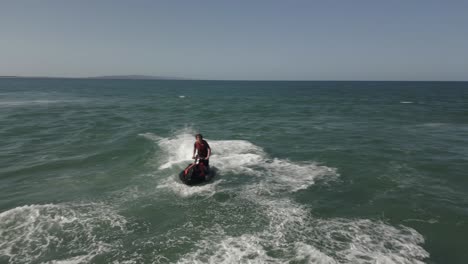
(31, 233)
(257, 221)
(292, 232)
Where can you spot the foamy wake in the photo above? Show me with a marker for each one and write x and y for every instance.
(35, 103)
(39, 233)
(238, 157)
(183, 190)
(292, 233)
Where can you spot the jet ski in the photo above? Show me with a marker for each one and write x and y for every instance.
(195, 173)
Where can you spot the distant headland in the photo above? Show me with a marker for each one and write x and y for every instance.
(136, 77)
(104, 77)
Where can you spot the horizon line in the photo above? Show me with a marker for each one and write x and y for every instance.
(136, 77)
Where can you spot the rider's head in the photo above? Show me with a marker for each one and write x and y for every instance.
(199, 137)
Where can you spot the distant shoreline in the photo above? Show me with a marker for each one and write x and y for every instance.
(107, 77)
(156, 78)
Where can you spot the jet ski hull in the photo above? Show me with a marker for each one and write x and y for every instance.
(195, 173)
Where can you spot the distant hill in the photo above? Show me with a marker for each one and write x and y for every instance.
(106, 77)
(135, 77)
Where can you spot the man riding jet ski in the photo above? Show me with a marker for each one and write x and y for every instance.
(199, 171)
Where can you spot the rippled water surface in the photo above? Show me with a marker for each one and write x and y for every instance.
(307, 172)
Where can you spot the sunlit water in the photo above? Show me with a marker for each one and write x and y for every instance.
(307, 172)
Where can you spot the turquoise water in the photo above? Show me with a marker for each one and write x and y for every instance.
(307, 172)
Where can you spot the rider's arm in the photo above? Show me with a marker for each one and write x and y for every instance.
(194, 149)
(209, 153)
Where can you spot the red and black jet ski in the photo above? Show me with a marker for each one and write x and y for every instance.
(195, 173)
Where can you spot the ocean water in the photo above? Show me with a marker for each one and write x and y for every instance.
(307, 172)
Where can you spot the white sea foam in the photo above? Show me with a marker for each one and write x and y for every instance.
(309, 254)
(434, 124)
(295, 235)
(406, 102)
(242, 249)
(34, 102)
(366, 241)
(429, 221)
(150, 136)
(187, 191)
(176, 150)
(33, 233)
(243, 157)
(292, 176)
(292, 233)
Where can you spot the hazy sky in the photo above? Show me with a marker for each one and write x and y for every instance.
(293, 40)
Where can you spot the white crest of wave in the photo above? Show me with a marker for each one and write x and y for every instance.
(33, 233)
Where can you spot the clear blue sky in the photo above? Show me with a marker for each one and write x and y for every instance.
(292, 40)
